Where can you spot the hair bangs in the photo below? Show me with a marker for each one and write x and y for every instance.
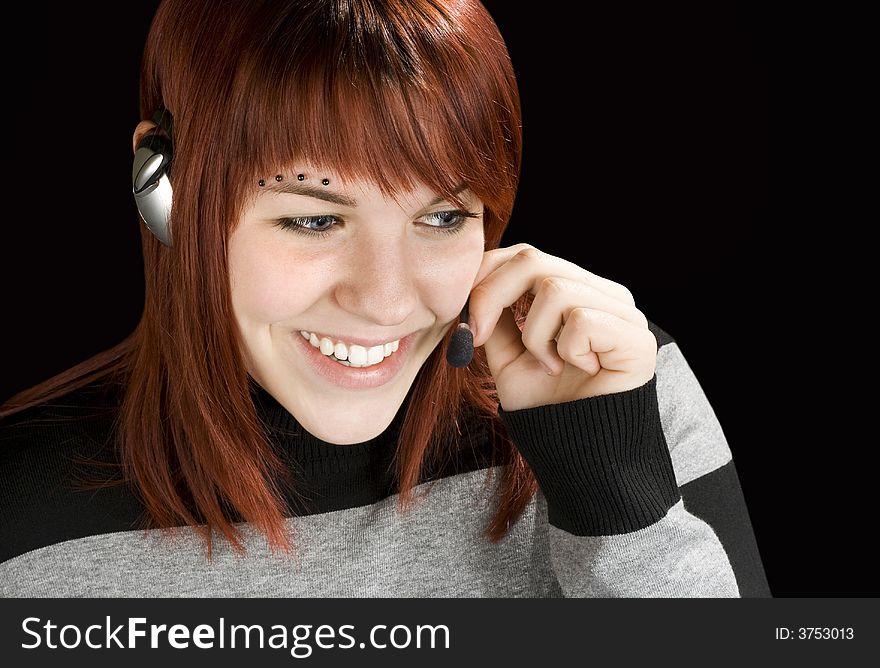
(398, 104)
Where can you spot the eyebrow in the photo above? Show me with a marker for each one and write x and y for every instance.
(293, 188)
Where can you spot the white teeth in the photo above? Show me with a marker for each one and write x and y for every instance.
(375, 354)
(356, 355)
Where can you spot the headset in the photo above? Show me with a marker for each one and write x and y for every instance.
(151, 187)
(150, 175)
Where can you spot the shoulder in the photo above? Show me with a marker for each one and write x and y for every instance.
(691, 428)
(663, 337)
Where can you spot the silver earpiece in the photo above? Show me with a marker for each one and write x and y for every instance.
(149, 178)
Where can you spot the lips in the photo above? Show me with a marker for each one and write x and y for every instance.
(349, 377)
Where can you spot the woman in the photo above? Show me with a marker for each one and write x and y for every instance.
(284, 421)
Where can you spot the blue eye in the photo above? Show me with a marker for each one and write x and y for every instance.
(451, 222)
(301, 225)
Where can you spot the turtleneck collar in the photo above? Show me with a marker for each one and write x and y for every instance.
(324, 477)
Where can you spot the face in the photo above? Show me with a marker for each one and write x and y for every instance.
(354, 274)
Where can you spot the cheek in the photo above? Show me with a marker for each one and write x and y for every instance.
(267, 283)
(447, 275)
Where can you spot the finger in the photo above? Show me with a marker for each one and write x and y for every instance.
(592, 340)
(505, 344)
(556, 298)
(522, 272)
(493, 259)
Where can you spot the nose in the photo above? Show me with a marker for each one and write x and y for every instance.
(380, 282)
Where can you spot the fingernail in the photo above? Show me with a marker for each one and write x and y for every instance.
(547, 369)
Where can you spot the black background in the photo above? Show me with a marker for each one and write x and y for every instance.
(645, 129)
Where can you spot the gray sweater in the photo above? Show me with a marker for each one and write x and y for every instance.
(639, 497)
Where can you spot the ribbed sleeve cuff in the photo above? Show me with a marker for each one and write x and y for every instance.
(602, 462)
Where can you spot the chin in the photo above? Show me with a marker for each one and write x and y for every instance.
(351, 430)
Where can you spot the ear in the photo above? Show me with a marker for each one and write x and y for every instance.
(142, 128)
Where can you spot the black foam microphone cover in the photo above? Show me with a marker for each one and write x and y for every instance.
(460, 351)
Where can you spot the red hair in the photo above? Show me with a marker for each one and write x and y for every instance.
(253, 87)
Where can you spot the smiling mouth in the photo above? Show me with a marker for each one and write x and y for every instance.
(362, 374)
(352, 355)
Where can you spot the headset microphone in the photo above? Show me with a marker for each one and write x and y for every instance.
(461, 346)
(150, 182)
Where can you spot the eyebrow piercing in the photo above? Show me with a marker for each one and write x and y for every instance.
(279, 177)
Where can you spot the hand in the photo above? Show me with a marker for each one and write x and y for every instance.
(584, 328)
